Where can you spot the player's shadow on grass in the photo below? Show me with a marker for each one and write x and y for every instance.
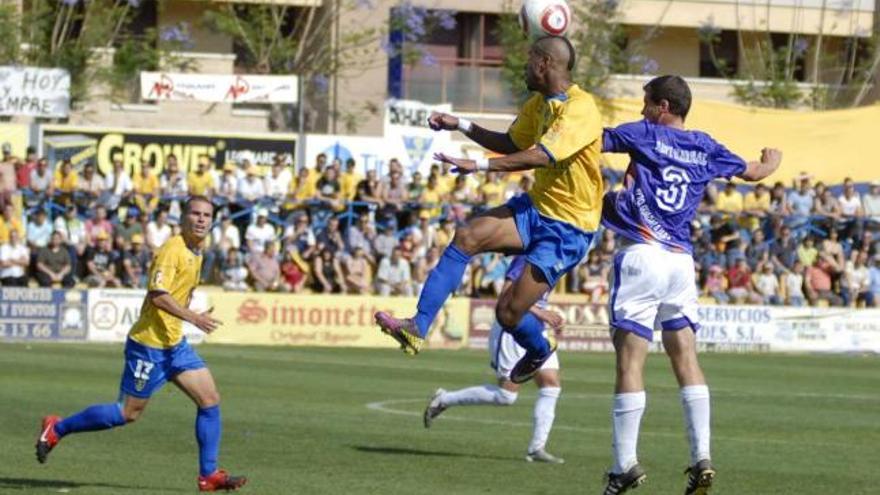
(419, 452)
(26, 484)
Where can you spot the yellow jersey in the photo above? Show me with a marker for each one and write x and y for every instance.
(175, 270)
(66, 183)
(147, 185)
(199, 184)
(493, 193)
(729, 203)
(569, 129)
(5, 228)
(348, 185)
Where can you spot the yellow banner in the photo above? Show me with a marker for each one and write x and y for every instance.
(828, 145)
(325, 320)
(17, 136)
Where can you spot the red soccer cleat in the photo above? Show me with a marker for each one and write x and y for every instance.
(220, 480)
(48, 439)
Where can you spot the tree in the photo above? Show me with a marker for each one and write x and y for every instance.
(77, 36)
(308, 41)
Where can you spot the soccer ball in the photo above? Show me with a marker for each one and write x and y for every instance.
(539, 18)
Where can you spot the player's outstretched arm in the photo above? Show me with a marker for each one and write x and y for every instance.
(204, 321)
(499, 142)
(759, 170)
(521, 160)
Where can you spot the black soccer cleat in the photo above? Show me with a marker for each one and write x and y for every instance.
(700, 477)
(620, 483)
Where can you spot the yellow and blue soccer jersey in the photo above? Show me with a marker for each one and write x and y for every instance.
(175, 270)
(569, 129)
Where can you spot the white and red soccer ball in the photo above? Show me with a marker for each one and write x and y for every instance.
(539, 18)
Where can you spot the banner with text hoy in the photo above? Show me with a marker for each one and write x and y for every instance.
(42, 314)
(586, 325)
(34, 91)
(218, 88)
(112, 312)
(316, 320)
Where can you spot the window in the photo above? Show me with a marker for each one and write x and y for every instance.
(722, 58)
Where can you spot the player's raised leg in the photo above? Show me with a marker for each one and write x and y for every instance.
(199, 385)
(629, 406)
(680, 345)
(495, 230)
(514, 315)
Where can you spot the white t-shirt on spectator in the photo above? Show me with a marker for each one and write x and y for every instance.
(871, 202)
(230, 235)
(156, 235)
(767, 284)
(850, 206)
(178, 188)
(8, 252)
(251, 190)
(40, 183)
(276, 187)
(227, 186)
(123, 186)
(260, 235)
(857, 279)
(393, 274)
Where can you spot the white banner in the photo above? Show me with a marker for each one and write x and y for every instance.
(221, 88)
(406, 127)
(372, 153)
(112, 312)
(34, 91)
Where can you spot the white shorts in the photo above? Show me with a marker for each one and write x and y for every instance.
(652, 289)
(504, 353)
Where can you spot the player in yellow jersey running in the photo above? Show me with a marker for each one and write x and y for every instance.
(558, 132)
(156, 351)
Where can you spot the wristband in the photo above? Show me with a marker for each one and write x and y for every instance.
(482, 164)
(465, 125)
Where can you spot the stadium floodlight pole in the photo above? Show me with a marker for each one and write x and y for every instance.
(301, 134)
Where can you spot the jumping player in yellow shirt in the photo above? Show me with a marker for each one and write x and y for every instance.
(558, 132)
(156, 351)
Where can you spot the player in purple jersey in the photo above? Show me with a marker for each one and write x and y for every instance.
(653, 283)
(505, 353)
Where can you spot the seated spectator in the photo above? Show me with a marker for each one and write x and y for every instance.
(817, 282)
(264, 268)
(300, 236)
(201, 181)
(783, 250)
(394, 198)
(331, 237)
(118, 187)
(422, 267)
(874, 280)
(173, 185)
(302, 189)
(460, 199)
(826, 209)
(227, 186)
(158, 231)
(327, 277)
(871, 206)
(41, 182)
(39, 230)
(252, 188)
(349, 180)
(851, 211)
(393, 276)
(767, 285)
(492, 190)
(260, 232)
(385, 242)
(424, 234)
(756, 207)
(328, 190)
(54, 265)
(716, 285)
(130, 226)
(71, 227)
(294, 272)
(66, 182)
(758, 251)
(135, 263)
(593, 277)
(856, 285)
(277, 182)
(729, 200)
(357, 272)
(415, 188)
(807, 252)
(15, 257)
(101, 263)
(490, 274)
(360, 235)
(740, 286)
(97, 225)
(146, 189)
(23, 168)
(9, 222)
(800, 202)
(90, 188)
(445, 234)
(234, 274)
(725, 231)
(778, 201)
(369, 191)
(792, 284)
(431, 198)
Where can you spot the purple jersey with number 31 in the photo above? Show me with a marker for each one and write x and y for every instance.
(667, 175)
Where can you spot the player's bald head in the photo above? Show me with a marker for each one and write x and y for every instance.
(557, 49)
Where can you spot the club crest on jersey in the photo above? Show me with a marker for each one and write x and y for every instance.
(139, 384)
(157, 278)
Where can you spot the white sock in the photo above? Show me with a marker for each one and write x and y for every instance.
(695, 402)
(545, 413)
(626, 415)
(482, 394)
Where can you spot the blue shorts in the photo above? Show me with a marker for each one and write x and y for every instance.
(553, 246)
(148, 368)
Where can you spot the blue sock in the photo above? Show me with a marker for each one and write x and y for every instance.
(93, 418)
(208, 429)
(529, 334)
(441, 283)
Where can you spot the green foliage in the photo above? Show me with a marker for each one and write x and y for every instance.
(76, 35)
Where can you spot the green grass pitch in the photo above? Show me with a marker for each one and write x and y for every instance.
(348, 421)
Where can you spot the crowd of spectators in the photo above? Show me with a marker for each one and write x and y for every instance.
(329, 229)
